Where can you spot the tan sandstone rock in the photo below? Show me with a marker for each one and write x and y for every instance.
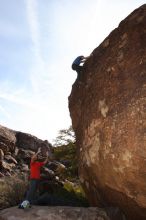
(7, 139)
(54, 213)
(108, 112)
(1, 155)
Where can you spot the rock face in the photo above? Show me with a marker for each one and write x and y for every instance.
(7, 139)
(16, 149)
(108, 111)
(51, 213)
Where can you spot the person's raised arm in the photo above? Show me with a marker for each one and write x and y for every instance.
(84, 59)
(34, 157)
(49, 157)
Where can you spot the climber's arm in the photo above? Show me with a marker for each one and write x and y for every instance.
(34, 157)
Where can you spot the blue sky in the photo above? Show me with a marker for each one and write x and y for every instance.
(39, 39)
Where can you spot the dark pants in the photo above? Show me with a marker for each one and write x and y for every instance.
(79, 70)
(31, 193)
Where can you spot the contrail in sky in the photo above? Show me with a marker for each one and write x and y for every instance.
(39, 67)
(33, 23)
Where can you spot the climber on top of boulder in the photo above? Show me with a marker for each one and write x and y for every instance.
(77, 67)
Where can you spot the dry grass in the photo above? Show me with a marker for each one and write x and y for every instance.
(12, 190)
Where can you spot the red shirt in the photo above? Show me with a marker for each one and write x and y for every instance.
(35, 169)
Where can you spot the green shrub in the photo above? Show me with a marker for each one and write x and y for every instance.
(68, 153)
(72, 194)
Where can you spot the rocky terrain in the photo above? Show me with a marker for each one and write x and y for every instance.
(108, 111)
(16, 149)
(56, 202)
(51, 213)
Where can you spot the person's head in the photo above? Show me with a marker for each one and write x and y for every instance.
(40, 157)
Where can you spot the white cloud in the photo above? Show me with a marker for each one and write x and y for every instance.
(10, 97)
(4, 112)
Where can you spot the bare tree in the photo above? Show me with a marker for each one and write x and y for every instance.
(65, 136)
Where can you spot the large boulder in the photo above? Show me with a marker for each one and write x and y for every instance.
(28, 141)
(15, 161)
(108, 111)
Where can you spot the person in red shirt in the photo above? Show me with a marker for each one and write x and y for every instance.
(35, 166)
